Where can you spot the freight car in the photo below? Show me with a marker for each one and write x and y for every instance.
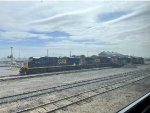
(53, 64)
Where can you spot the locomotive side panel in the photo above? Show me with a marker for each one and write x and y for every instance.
(105, 61)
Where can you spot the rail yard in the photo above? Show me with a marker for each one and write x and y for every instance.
(76, 56)
(88, 90)
(55, 84)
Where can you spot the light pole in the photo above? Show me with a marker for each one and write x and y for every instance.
(11, 56)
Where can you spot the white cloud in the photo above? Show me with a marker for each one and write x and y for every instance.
(16, 35)
(80, 20)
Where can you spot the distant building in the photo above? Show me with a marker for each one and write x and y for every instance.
(111, 54)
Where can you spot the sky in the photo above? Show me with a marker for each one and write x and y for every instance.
(82, 27)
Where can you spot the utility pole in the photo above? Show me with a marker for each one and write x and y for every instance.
(87, 53)
(11, 56)
(47, 52)
(70, 53)
(19, 53)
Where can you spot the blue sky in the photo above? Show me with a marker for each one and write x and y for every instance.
(77, 26)
(111, 15)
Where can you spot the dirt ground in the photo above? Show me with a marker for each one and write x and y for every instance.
(113, 101)
(106, 103)
(4, 71)
(30, 84)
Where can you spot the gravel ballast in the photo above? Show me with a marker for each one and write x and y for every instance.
(112, 101)
(109, 102)
(30, 84)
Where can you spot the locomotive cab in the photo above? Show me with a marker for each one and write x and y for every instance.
(24, 68)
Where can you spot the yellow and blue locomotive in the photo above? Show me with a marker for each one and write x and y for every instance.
(54, 64)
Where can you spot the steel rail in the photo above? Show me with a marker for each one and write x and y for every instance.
(29, 94)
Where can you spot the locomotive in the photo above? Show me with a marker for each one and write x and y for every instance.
(55, 64)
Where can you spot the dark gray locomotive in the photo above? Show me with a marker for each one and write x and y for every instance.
(54, 64)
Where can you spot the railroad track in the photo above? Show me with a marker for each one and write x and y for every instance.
(61, 104)
(16, 97)
(14, 77)
(140, 74)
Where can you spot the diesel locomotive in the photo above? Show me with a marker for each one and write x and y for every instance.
(55, 64)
